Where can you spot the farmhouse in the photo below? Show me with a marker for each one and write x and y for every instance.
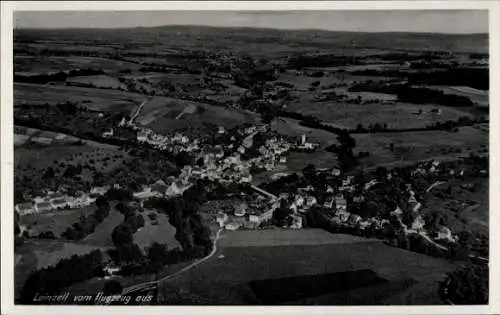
(142, 136)
(240, 209)
(100, 190)
(58, 203)
(43, 206)
(25, 208)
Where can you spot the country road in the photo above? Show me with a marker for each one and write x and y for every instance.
(434, 185)
(137, 112)
(144, 285)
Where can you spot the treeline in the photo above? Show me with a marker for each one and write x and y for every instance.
(60, 76)
(51, 280)
(191, 232)
(415, 95)
(87, 225)
(327, 60)
(477, 78)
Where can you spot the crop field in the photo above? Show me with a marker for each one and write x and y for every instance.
(95, 99)
(463, 209)
(477, 96)
(205, 114)
(286, 237)
(46, 64)
(230, 277)
(398, 115)
(99, 81)
(414, 146)
(163, 233)
(102, 234)
(57, 221)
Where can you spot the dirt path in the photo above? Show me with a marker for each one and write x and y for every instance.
(144, 285)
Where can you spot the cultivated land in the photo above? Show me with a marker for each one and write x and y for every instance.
(194, 79)
(315, 253)
(422, 145)
(161, 232)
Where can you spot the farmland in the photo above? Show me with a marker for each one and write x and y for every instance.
(231, 276)
(414, 146)
(161, 232)
(113, 107)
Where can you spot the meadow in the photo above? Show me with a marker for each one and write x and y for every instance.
(415, 146)
(229, 276)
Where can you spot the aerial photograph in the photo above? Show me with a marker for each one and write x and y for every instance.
(251, 157)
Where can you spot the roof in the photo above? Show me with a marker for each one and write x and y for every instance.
(58, 201)
(44, 205)
(25, 206)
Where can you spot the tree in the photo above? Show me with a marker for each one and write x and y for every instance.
(467, 285)
(122, 234)
(112, 287)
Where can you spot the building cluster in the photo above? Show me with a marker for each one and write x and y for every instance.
(335, 200)
(57, 200)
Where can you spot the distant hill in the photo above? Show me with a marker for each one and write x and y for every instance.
(223, 36)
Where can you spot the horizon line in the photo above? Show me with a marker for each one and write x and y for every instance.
(242, 27)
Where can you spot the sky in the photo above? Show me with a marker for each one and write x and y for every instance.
(428, 21)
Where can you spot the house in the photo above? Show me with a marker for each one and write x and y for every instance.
(232, 226)
(142, 136)
(78, 202)
(111, 269)
(398, 212)
(335, 172)
(253, 219)
(43, 207)
(240, 209)
(358, 199)
(370, 184)
(328, 203)
(159, 187)
(418, 224)
(58, 203)
(354, 219)
(341, 204)
(221, 130)
(145, 193)
(100, 190)
(216, 151)
(342, 215)
(25, 208)
(444, 233)
(297, 222)
(221, 218)
(311, 201)
(282, 159)
(108, 133)
(177, 188)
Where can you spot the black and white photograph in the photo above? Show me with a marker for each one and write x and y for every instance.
(252, 157)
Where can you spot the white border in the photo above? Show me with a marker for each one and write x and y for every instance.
(7, 145)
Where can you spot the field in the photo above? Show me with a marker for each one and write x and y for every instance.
(37, 254)
(47, 64)
(463, 209)
(102, 234)
(95, 99)
(414, 146)
(204, 114)
(163, 233)
(296, 161)
(397, 115)
(477, 96)
(230, 277)
(31, 159)
(98, 81)
(57, 221)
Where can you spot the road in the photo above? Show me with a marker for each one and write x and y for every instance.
(434, 185)
(137, 112)
(144, 285)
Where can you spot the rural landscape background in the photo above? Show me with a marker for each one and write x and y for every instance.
(201, 165)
